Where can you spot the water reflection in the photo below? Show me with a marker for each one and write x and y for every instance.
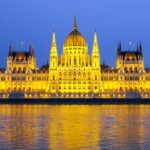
(72, 127)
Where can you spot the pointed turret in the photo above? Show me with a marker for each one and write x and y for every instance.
(119, 49)
(30, 47)
(95, 53)
(31, 50)
(137, 47)
(140, 49)
(96, 69)
(119, 55)
(10, 50)
(47, 63)
(95, 45)
(53, 53)
(54, 46)
(53, 40)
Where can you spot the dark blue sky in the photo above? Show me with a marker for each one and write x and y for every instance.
(32, 21)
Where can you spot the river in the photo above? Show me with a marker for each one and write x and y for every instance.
(75, 127)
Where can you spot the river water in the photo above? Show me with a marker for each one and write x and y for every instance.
(75, 127)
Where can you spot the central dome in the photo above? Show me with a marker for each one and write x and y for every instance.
(75, 38)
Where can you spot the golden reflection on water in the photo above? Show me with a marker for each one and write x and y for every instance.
(73, 127)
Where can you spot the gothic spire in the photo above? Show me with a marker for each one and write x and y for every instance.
(10, 49)
(53, 63)
(30, 47)
(33, 52)
(140, 48)
(95, 53)
(137, 48)
(95, 44)
(75, 24)
(54, 46)
(53, 40)
(119, 48)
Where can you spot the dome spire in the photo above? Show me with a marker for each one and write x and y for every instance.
(75, 24)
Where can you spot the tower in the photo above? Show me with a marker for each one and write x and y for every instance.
(140, 49)
(96, 65)
(53, 66)
(141, 58)
(119, 56)
(119, 49)
(53, 54)
(9, 57)
(32, 59)
(95, 54)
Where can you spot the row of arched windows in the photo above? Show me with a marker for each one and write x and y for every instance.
(131, 69)
(74, 75)
(18, 70)
(74, 61)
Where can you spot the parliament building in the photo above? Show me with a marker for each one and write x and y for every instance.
(75, 74)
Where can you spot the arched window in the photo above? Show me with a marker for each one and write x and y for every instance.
(121, 89)
(84, 75)
(130, 69)
(75, 61)
(60, 76)
(69, 75)
(24, 70)
(79, 75)
(89, 75)
(125, 69)
(8, 89)
(65, 75)
(70, 61)
(135, 69)
(79, 60)
(19, 70)
(23, 89)
(15, 70)
(29, 89)
(96, 77)
(53, 77)
(74, 76)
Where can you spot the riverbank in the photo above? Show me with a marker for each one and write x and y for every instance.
(73, 101)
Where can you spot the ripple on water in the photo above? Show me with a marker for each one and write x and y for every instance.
(71, 127)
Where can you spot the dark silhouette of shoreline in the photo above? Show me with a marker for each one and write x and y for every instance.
(74, 101)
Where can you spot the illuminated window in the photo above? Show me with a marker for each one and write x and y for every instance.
(95, 77)
(75, 61)
(2, 78)
(53, 77)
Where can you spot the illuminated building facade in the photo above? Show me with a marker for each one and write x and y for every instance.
(75, 73)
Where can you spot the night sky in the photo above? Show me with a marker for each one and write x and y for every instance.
(33, 21)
